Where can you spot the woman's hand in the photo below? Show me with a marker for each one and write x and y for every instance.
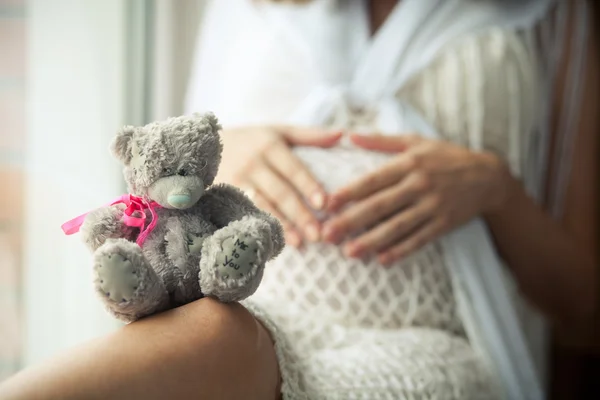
(428, 189)
(259, 160)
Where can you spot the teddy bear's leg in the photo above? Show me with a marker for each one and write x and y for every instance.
(126, 283)
(104, 223)
(233, 259)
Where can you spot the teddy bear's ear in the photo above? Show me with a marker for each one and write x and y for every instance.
(121, 144)
(210, 119)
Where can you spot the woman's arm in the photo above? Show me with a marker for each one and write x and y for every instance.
(556, 262)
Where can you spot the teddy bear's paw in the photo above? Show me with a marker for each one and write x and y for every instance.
(232, 263)
(116, 277)
(239, 253)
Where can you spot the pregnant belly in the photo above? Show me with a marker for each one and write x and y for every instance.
(340, 165)
(320, 280)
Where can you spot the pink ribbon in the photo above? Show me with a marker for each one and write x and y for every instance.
(133, 204)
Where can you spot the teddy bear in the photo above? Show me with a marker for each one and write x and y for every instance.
(177, 237)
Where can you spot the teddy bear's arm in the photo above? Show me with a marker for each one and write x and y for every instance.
(226, 203)
(106, 223)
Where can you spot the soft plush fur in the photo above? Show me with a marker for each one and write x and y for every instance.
(210, 240)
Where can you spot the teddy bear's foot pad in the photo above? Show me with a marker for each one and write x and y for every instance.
(125, 282)
(233, 259)
(238, 256)
(117, 277)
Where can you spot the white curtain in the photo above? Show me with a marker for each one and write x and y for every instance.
(175, 33)
(85, 62)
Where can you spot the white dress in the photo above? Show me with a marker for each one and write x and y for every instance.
(346, 328)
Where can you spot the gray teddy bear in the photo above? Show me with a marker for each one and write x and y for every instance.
(199, 239)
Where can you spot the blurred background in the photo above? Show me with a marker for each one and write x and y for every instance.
(71, 73)
(12, 147)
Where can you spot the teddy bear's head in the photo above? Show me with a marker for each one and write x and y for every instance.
(171, 162)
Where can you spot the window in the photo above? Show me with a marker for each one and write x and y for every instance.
(12, 144)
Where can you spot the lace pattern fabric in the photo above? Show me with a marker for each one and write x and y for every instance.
(355, 329)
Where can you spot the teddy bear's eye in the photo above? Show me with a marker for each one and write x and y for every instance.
(167, 171)
(182, 172)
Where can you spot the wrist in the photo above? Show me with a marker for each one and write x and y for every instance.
(503, 186)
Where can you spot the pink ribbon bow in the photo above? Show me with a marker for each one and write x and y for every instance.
(133, 204)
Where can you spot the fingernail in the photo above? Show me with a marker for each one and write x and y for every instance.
(352, 250)
(312, 232)
(385, 260)
(329, 234)
(332, 204)
(318, 200)
(293, 239)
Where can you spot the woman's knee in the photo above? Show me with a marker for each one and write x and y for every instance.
(234, 344)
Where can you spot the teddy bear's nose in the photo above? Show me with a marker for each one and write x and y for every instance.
(179, 200)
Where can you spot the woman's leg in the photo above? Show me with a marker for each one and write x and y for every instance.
(205, 349)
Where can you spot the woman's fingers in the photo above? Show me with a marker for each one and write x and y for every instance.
(391, 173)
(279, 192)
(393, 230)
(315, 137)
(283, 184)
(386, 143)
(287, 165)
(292, 237)
(426, 234)
(374, 208)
